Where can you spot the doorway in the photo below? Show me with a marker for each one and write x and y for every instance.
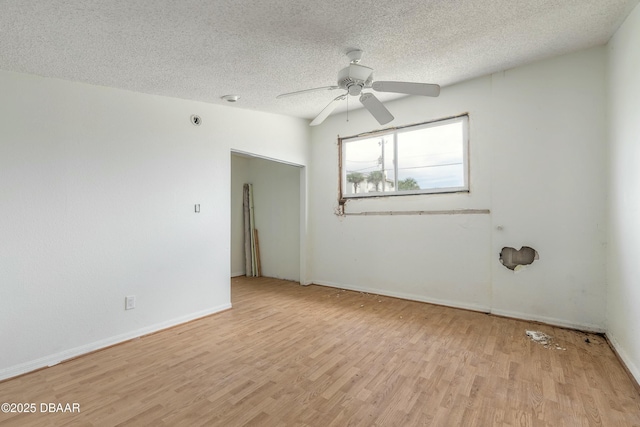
(278, 202)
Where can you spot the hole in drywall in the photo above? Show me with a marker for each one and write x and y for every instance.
(196, 120)
(516, 259)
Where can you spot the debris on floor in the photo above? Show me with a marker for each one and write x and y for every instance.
(539, 337)
(543, 339)
(593, 338)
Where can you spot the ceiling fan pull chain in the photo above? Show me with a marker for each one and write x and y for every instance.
(347, 109)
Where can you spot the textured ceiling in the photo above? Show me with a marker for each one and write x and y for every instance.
(202, 50)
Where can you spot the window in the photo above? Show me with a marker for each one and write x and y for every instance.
(419, 159)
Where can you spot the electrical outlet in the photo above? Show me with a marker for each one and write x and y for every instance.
(130, 302)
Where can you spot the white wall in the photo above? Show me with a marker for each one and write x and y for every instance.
(537, 140)
(548, 189)
(444, 259)
(623, 315)
(97, 202)
(239, 176)
(277, 210)
(276, 200)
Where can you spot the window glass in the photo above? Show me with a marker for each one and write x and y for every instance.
(427, 158)
(432, 157)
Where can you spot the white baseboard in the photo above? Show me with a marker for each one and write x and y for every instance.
(586, 327)
(631, 367)
(240, 273)
(56, 358)
(467, 306)
(412, 297)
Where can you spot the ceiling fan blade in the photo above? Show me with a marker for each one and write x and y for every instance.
(424, 89)
(327, 110)
(284, 95)
(376, 108)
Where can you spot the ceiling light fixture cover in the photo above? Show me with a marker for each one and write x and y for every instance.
(230, 98)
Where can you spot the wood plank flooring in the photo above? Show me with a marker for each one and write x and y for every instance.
(288, 355)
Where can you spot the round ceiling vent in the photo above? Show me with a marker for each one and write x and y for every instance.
(230, 98)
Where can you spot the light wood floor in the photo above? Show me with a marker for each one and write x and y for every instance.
(288, 355)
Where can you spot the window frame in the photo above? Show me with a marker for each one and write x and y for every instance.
(395, 131)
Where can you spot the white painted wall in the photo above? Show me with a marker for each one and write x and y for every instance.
(444, 259)
(97, 202)
(549, 187)
(239, 176)
(276, 200)
(537, 140)
(623, 315)
(277, 210)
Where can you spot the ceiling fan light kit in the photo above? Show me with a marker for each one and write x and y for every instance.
(354, 79)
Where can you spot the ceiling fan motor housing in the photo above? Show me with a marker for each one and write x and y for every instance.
(354, 78)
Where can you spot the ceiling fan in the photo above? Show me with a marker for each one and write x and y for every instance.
(354, 79)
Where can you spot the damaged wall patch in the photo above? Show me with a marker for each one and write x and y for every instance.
(515, 259)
